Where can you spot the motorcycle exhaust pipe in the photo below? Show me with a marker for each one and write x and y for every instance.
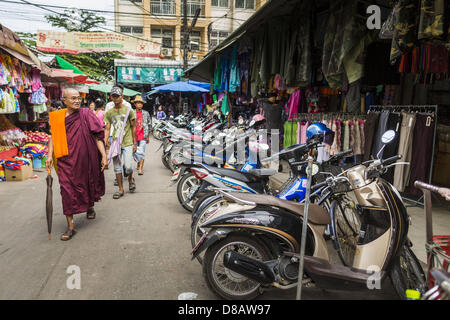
(250, 268)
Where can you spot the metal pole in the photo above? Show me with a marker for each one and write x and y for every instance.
(185, 36)
(304, 229)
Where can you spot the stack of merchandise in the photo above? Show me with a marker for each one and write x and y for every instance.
(12, 137)
(15, 169)
(36, 151)
(36, 136)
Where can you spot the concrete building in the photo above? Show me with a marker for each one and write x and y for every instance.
(163, 20)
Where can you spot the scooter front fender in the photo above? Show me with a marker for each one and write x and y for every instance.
(204, 205)
(211, 238)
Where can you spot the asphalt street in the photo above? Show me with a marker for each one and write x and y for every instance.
(138, 247)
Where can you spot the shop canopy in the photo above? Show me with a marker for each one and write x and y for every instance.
(106, 88)
(180, 86)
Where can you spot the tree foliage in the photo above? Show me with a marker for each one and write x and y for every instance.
(76, 20)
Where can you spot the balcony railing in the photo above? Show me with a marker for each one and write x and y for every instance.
(192, 6)
(159, 8)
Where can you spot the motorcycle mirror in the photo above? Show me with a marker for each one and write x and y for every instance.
(388, 136)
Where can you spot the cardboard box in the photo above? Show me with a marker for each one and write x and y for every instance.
(24, 173)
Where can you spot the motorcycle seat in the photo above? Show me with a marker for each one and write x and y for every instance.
(317, 214)
(263, 172)
(195, 137)
(238, 175)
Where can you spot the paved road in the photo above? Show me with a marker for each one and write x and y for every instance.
(137, 248)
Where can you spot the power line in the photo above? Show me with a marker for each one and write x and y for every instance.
(113, 12)
(58, 13)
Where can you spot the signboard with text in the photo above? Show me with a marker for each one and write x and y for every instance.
(82, 42)
(148, 75)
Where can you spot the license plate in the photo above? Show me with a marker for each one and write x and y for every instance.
(200, 242)
(176, 174)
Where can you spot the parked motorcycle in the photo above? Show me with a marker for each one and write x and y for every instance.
(252, 242)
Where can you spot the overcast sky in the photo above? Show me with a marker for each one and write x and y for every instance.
(26, 18)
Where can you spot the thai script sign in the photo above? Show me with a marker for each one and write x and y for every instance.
(82, 42)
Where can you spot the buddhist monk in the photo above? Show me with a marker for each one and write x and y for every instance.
(77, 144)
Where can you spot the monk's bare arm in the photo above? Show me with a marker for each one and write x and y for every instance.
(49, 161)
(101, 149)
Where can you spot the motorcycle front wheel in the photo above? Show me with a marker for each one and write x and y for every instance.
(184, 189)
(226, 283)
(196, 231)
(407, 273)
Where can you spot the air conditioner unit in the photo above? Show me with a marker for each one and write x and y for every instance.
(167, 52)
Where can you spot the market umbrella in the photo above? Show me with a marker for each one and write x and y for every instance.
(180, 86)
(69, 76)
(49, 204)
(106, 88)
(67, 65)
(203, 85)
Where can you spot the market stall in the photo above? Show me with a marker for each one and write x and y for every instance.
(22, 99)
(295, 59)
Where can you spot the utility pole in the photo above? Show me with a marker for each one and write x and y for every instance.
(185, 37)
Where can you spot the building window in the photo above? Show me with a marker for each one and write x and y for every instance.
(166, 36)
(217, 37)
(133, 30)
(192, 6)
(220, 3)
(195, 41)
(162, 7)
(245, 4)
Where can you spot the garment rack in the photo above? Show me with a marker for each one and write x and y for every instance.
(432, 109)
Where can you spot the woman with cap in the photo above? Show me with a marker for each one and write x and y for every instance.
(143, 125)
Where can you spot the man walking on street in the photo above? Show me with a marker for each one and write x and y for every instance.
(77, 144)
(143, 125)
(121, 122)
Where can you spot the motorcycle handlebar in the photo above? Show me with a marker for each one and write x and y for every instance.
(426, 186)
(319, 185)
(442, 278)
(342, 154)
(390, 160)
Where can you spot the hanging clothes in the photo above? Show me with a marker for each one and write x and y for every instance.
(235, 80)
(421, 151)
(401, 173)
(293, 104)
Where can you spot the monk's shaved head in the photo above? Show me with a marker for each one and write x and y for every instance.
(69, 92)
(72, 99)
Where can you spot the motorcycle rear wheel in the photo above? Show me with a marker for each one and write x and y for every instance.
(226, 283)
(407, 273)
